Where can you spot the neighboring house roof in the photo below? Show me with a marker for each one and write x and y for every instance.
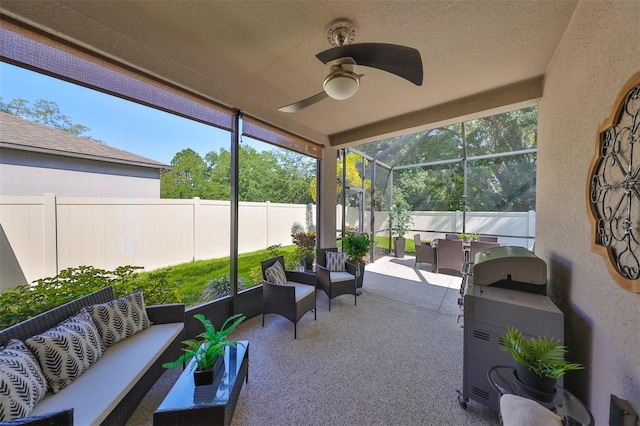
(21, 134)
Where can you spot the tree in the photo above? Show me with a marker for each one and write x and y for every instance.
(187, 178)
(46, 113)
(353, 175)
(502, 183)
(279, 176)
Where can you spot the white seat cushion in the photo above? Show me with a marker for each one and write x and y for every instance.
(301, 289)
(336, 277)
(98, 390)
(518, 411)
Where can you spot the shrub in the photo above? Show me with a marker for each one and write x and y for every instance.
(26, 301)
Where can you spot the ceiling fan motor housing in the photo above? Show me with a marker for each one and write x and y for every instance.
(341, 83)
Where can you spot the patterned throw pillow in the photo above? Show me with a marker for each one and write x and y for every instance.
(275, 274)
(335, 261)
(120, 318)
(22, 383)
(67, 350)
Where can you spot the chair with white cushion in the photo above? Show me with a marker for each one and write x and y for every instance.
(335, 276)
(288, 293)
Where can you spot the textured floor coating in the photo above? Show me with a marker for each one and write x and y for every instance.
(394, 359)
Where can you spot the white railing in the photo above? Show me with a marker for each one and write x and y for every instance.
(44, 235)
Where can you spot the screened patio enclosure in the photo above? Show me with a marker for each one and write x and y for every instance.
(472, 177)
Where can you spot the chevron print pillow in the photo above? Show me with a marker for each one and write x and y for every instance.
(275, 274)
(67, 350)
(22, 383)
(335, 261)
(120, 318)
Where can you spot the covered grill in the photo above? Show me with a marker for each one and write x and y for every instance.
(505, 287)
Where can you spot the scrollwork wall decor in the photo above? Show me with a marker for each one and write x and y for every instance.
(613, 189)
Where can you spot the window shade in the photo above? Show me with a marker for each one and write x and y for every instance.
(35, 50)
(264, 132)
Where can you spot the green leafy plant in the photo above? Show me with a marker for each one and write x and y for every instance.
(220, 287)
(468, 237)
(544, 356)
(305, 246)
(26, 301)
(356, 246)
(208, 345)
(400, 219)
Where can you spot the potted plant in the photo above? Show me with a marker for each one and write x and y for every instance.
(356, 246)
(399, 222)
(539, 362)
(207, 349)
(305, 248)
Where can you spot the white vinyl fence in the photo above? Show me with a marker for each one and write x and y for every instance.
(42, 235)
(47, 234)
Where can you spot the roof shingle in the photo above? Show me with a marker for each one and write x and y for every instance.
(21, 134)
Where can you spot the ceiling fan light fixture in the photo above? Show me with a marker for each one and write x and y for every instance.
(341, 85)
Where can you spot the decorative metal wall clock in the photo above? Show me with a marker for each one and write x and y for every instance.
(613, 190)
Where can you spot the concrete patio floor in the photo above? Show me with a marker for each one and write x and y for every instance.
(398, 279)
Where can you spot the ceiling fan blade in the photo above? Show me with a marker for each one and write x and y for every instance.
(304, 103)
(402, 61)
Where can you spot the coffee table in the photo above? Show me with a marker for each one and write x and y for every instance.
(187, 404)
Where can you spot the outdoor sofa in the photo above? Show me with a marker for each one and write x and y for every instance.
(110, 390)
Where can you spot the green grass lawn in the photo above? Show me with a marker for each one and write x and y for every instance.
(192, 277)
(383, 243)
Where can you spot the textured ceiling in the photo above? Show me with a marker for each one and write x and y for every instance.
(258, 56)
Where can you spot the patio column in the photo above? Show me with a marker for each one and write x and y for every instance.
(327, 197)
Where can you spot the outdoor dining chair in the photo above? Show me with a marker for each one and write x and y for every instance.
(449, 255)
(424, 252)
(477, 246)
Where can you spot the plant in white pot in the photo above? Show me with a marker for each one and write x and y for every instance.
(207, 349)
(400, 221)
(539, 362)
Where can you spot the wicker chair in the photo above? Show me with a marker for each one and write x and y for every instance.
(487, 239)
(452, 237)
(335, 283)
(424, 252)
(477, 246)
(449, 255)
(291, 300)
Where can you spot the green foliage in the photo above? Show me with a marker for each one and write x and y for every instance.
(208, 345)
(501, 183)
(305, 245)
(468, 237)
(275, 175)
(46, 113)
(541, 355)
(26, 301)
(219, 287)
(400, 219)
(356, 246)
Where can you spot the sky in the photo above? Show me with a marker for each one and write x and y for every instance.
(119, 123)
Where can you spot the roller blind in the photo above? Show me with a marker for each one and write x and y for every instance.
(30, 48)
(262, 131)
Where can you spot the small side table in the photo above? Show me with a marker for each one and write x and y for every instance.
(566, 405)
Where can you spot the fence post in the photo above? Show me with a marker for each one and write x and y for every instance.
(267, 206)
(50, 234)
(196, 228)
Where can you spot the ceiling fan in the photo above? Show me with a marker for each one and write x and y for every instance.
(342, 82)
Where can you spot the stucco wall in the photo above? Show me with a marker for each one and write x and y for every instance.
(600, 51)
(28, 173)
